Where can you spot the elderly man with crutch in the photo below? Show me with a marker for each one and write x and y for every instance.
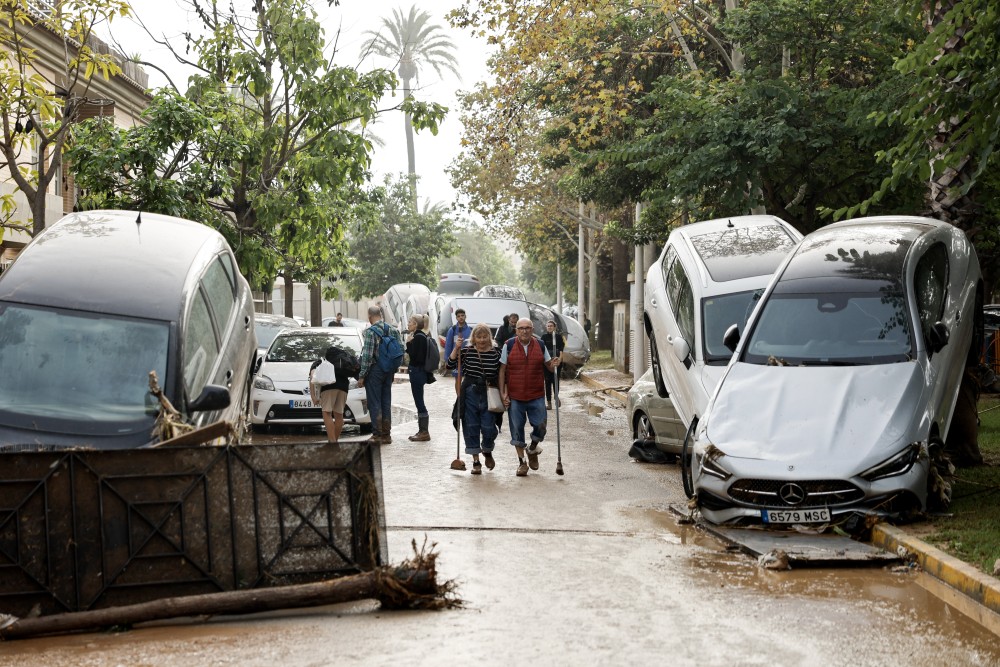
(523, 360)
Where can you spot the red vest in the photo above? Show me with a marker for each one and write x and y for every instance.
(525, 379)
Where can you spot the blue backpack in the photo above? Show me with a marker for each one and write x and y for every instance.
(390, 350)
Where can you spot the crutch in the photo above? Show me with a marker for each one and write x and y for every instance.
(559, 468)
(458, 463)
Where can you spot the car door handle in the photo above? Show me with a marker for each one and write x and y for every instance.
(229, 377)
(652, 302)
(246, 322)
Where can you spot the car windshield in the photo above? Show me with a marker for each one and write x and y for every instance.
(831, 329)
(302, 347)
(68, 371)
(718, 313)
(266, 331)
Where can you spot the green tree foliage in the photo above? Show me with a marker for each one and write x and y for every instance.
(412, 42)
(267, 144)
(40, 98)
(479, 255)
(403, 246)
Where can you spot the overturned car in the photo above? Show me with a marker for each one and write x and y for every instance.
(842, 389)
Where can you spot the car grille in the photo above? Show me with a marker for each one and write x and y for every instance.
(285, 412)
(818, 492)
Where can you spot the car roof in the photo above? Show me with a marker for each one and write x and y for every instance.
(739, 247)
(116, 262)
(827, 252)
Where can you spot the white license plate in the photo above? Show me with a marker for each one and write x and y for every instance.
(300, 403)
(796, 516)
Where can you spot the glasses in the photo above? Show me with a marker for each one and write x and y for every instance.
(524, 328)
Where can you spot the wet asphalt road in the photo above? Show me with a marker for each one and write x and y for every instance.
(589, 568)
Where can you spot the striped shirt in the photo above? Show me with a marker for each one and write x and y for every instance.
(476, 364)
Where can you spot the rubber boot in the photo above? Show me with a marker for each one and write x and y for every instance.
(376, 437)
(422, 435)
(385, 437)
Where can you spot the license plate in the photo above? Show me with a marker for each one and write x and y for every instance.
(300, 403)
(796, 516)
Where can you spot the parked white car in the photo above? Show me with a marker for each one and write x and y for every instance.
(840, 395)
(281, 385)
(706, 279)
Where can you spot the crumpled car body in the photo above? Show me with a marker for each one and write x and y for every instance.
(845, 382)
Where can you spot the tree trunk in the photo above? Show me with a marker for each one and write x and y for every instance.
(316, 305)
(289, 293)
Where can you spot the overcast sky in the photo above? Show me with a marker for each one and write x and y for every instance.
(170, 18)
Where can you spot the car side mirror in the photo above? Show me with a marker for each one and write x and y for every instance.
(212, 397)
(682, 350)
(732, 337)
(937, 337)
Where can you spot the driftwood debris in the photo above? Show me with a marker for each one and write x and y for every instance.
(409, 585)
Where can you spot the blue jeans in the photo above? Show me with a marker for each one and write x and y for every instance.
(521, 412)
(418, 379)
(378, 389)
(478, 421)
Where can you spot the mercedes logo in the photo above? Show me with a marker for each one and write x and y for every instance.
(792, 494)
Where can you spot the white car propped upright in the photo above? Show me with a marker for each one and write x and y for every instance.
(707, 278)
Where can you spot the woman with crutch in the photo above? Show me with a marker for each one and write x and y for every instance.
(480, 364)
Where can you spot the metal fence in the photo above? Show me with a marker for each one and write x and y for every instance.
(97, 529)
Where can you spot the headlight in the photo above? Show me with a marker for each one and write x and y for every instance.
(263, 382)
(709, 462)
(899, 464)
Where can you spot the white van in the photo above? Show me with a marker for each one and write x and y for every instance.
(394, 302)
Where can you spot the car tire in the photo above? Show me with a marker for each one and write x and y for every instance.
(642, 428)
(687, 469)
(654, 361)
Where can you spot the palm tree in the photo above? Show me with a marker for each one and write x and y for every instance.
(412, 42)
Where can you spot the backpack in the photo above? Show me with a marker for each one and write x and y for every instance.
(433, 358)
(390, 350)
(347, 363)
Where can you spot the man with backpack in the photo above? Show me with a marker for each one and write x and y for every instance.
(458, 333)
(381, 357)
(523, 360)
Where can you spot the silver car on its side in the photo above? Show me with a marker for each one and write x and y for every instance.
(653, 418)
(841, 392)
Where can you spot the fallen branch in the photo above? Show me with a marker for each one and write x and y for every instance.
(409, 585)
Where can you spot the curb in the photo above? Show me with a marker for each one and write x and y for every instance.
(594, 384)
(975, 586)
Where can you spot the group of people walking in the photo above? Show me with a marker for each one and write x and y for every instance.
(514, 362)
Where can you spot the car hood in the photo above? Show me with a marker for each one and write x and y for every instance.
(286, 372)
(816, 417)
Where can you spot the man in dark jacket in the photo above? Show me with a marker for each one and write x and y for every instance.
(507, 330)
(523, 360)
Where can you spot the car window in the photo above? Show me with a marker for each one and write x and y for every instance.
(720, 312)
(221, 290)
(680, 297)
(844, 328)
(74, 372)
(930, 284)
(200, 346)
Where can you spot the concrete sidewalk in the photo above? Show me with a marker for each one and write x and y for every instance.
(974, 593)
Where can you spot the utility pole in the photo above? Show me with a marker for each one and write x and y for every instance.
(582, 312)
(639, 342)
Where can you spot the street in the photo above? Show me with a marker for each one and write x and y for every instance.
(589, 568)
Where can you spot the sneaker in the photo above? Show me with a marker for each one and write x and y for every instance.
(477, 468)
(488, 459)
(548, 405)
(522, 470)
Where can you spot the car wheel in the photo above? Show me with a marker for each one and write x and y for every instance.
(642, 429)
(687, 469)
(654, 360)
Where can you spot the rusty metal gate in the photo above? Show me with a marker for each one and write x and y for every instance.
(96, 529)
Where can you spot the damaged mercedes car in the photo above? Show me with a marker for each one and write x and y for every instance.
(841, 391)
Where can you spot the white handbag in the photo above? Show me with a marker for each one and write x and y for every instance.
(325, 373)
(493, 400)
